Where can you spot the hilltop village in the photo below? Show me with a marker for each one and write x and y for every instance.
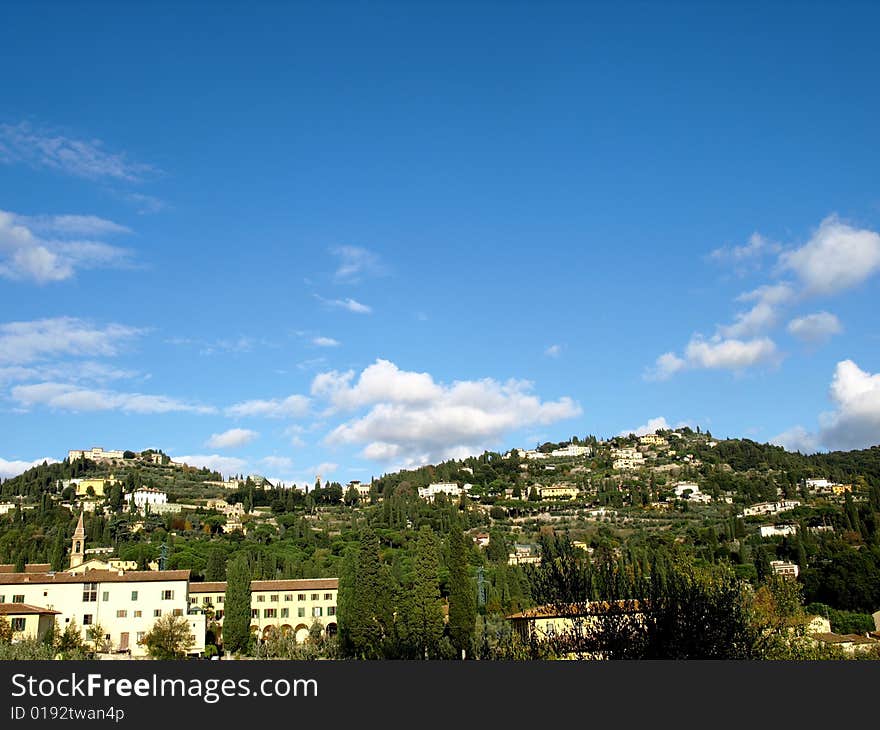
(507, 550)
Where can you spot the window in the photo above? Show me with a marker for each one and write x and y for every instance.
(270, 613)
(300, 596)
(177, 612)
(331, 610)
(138, 614)
(274, 598)
(2, 598)
(87, 620)
(90, 592)
(219, 615)
(122, 613)
(193, 600)
(288, 597)
(18, 599)
(219, 599)
(328, 596)
(261, 598)
(255, 613)
(206, 601)
(316, 611)
(167, 595)
(18, 624)
(105, 596)
(301, 612)
(285, 612)
(314, 596)
(140, 637)
(157, 612)
(134, 595)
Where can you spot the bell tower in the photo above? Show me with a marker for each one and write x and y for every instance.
(78, 545)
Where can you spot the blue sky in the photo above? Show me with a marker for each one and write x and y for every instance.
(296, 239)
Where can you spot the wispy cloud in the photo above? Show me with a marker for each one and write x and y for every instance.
(292, 406)
(553, 351)
(41, 250)
(226, 465)
(31, 341)
(69, 397)
(86, 158)
(356, 262)
(351, 305)
(325, 342)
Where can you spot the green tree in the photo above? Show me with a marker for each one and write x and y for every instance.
(215, 569)
(364, 611)
(237, 607)
(462, 599)
(169, 638)
(5, 631)
(421, 613)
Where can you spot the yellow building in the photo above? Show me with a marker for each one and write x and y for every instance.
(97, 486)
(277, 605)
(558, 491)
(26, 621)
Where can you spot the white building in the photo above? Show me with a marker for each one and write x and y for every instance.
(147, 496)
(653, 439)
(572, 450)
(627, 458)
(770, 508)
(363, 490)
(778, 530)
(449, 488)
(784, 568)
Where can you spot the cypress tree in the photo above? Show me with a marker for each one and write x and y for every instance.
(462, 601)
(421, 613)
(216, 566)
(237, 607)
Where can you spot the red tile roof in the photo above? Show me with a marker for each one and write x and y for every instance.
(93, 576)
(300, 584)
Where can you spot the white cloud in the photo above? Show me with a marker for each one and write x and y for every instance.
(26, 342)
(356, 262)
(763, 315)
(280, 463)
(381, 381)
(26, 254)
(72, 371)
(814, 328)
(231, 439)
(78, 157)
(715, 354)
(797, 439)
(837, 257)
(293, 406)
(226, 465)
(553, 351)
(653, 424)
(731, 354)
(68, 397)
(348, 304)
(413, 419)
(9, 469)
(855, 423)
(325, 342)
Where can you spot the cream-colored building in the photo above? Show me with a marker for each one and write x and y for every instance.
(278, 605)
(627, 458)
(94, 454)
(27, 622)
(558, 491)
(125, 604)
